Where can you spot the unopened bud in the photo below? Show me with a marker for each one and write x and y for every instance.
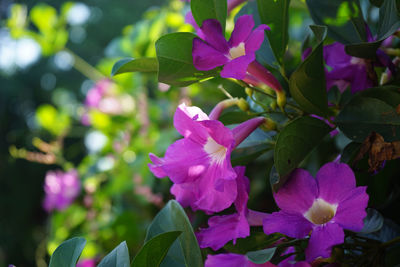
(243, 105)
(273, 105)
(249, 91)
(281, 99)
(269, 124)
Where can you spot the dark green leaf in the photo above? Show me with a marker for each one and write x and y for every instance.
(363, 50)
(275, 13)
(134, 65)
(294, 143)
(118, 257)
(155, 250)
(350, 152)
(261, 256)
(343, 18)
(389, 20)
(373, 222)
(67, 254)
(371, 111)
(175, 62)
(307, 84)
(257, 240)
(209, 9)
(185, 250)
(377, 3)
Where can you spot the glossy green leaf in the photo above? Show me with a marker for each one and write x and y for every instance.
(261, 256)
(350, 152)
(373, 222)
(185, 250)
(155, 250)
(343, 18)
(67, 254)
(371, 111)
(389, 19)
(377, 3)
(307, 84)
(209, 9)
(363, 50)
(294, 143)
(135, 65)
(118, 257)
(275, 13)
(174, 54)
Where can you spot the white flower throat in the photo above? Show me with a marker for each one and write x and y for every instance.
(216, 151)
(237, 51)
(320, 212)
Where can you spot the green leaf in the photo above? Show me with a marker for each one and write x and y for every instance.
(343, 18)
(389, 20)
(209, 9)
(373, 110)
(307, 84)
(373, 222)
(294, 143)
(234, 117)
(155, 250)
(185, 251)
(175, 62)
(67, 254)
(350, 152)
(363, 50)
(118, 257)
(261, 256)
(275, 13)
(134, 65)
(377, 3)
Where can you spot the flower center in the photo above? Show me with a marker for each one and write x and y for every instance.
(216, 151)
(320, 212)
(237, 51)
(357, 61)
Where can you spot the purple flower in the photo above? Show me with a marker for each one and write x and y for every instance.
(232, 260)
(323, 206)
(345, 70)
(190, 20)
(235, 55)
(224, 228)
(86, 263)
(61, 189)
(199, 164)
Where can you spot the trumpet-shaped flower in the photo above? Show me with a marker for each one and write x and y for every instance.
(233, 260)
(235, 55)
(61, 189)
(199, 164)
(323, 206)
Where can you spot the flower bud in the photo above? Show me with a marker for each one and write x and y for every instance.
(243, 105)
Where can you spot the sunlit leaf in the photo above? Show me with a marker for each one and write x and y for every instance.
(133, 65)
(67, 254)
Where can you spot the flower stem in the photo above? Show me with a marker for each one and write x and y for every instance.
(85, 68)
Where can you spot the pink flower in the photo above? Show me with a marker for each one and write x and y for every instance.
(199, 164)
(323, 206)
(235, 55)
(232, 260)
(86, 263)
(61, 189)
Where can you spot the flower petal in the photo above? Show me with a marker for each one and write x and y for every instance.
(243, 188)
(185, 194)
(290, 224)
(351, 210)
(206, 57)
(214, 36)
(212, 200)
(237, 67)
(223, 229)
(156, 167)
(334, 181)
(242, 30)
(186, 122)
(255, 39)
(322, 239)
(298, 193)
(226, 260)
(185, 161)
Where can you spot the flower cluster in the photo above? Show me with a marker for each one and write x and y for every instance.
(61, 189)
